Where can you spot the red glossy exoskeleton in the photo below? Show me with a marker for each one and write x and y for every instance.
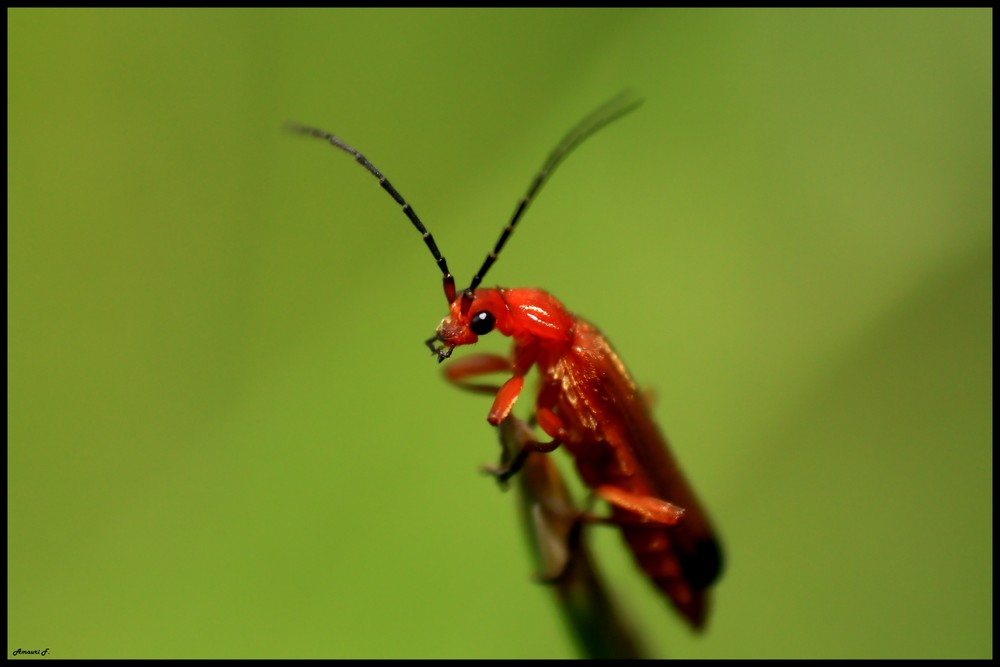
(587, 401)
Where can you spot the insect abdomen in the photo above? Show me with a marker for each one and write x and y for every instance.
(614, 441)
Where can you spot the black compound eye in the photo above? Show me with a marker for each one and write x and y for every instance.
(482, 323)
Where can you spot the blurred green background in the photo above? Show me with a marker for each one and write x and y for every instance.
(226, 439)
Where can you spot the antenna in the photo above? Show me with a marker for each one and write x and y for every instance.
(611, 110)
(449, 280)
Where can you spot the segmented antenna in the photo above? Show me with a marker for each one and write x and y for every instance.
(449, 280)
(611, 110)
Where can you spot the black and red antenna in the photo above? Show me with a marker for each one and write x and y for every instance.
(611, 110)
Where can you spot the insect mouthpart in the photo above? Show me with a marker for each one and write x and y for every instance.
(442, 351)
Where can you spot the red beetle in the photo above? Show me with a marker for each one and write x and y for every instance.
(587, 400)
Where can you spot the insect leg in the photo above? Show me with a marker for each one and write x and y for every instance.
(504, 402)
(478, 364)
(506, 394)
(550, 423)
(514, 462)
(646, 507)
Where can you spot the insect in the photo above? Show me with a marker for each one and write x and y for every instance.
(587, 401)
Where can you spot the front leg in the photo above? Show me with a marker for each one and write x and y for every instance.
(505, 396)
(458, 372)
(483, 364)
